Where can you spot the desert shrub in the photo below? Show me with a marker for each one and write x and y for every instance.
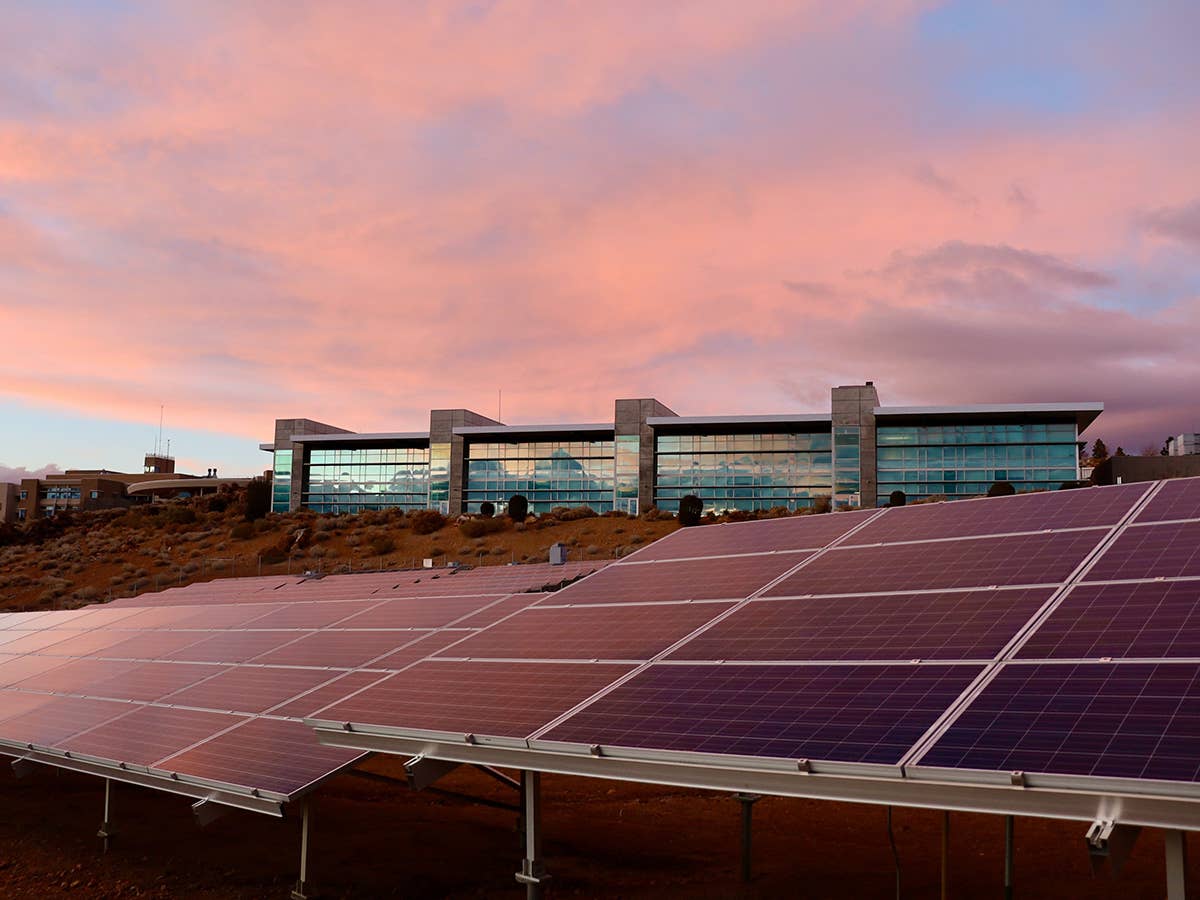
(321, 537)
(242, 531)
(652, 515)
(1001, 489)
(218, 503)
(615, 514)
(353, 540)
(325, 523)
(487, 509)
(477, 528)
(637, 539)
(382, 544)
(258, 499)
(591, 550)
(435, 550)
(897, 498)
(518, 507)
(572, 514)
(427, 521)
(691, 508)
(822, 504)
(318, 552)
(499, 551)
(179, 515)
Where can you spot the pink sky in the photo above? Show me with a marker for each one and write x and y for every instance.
(250, 211)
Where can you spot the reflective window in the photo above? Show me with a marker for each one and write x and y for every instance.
(547, 473)
(743, 471)
(350, 480)
(965, 460)
(281, 481)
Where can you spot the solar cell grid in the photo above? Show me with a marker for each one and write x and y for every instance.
(427, 645)
(251, 689)
(75, 676)
(496, 610)
(729, 578)
(1099, 719)
(1159, 619)
(268, 754)
(16, 703)
(869, 714)
(795, 533)
(1178, 498)
(1086, 508)
(152, 681)
(148, 645)
(499, 699)
(417, 613)
(50, 723)
(19, 668)
(32, 641)
(978, 562)
(311, 614)
(234, 646)
(1151, 551)
(146, 734)
(86, 643)
(338, 649)
(589, 632)
(340, 687)
(944, 626)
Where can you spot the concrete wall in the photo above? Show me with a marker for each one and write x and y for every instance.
(442, 423)
(8, 503)
(629, 417)
(1125, 469)
(284, 429)
(854, 405)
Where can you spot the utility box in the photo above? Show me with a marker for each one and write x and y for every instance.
(558, 554)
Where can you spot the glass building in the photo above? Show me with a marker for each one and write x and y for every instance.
(855, 455)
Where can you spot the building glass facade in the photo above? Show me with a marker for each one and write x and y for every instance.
(847, 467)
(281, 482)
(439, 477)
(547, 473)
(625, 489)
(345, 480)
(956, 460)
(742, 471)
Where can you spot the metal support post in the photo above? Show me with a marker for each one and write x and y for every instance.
(1176, 843)
(299, 891)
(747, 801)
(106, 830)
(945, 855)
(533, 868)
(1008, 857)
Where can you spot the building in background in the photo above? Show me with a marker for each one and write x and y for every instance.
(77, 489)
(857, 454)
(1183, 445)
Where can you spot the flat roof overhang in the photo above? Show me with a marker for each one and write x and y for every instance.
(364, 439)
(740, 424)
(1081, 798)
(184, 484)
(503, 431)
(1084, 413)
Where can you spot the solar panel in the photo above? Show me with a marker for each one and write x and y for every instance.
(429, 643)
(251, 689)
(50, 723)
(311, 614)
(865, 713)
(622, 632)
(496, 611)
(153, 680)
(149, 645)
(1100, 719)
(21, 667)
(147, 734)
(1157, 619)
(765, 536)
(1083, 508)
(266, 754)
(234, 646)
(339, 687)
(498, 699)
(942, 626)
(74, 676)
(338, 649)
(417, 613)
(1028, 559)
(728, 578)
(1150, 551)
(1176, 499)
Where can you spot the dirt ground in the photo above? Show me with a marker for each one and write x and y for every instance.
(602, 838)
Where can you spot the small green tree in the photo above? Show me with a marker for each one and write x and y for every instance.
(1001, 489)
(691, 508)
(518, 507)
(487, 509)
(1099, 451)
(1120, 451)
(258, 499)
(897, 498)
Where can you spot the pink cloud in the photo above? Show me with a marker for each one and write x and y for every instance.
(277, 209)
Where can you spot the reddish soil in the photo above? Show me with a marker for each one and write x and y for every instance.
(602, 839)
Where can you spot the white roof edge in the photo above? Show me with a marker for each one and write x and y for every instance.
(1089, 406)
(532, 429)
(268, 446)
(739, 420)
(361, 436)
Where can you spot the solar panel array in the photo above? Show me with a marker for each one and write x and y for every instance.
(1054, 633)
(207, 684)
